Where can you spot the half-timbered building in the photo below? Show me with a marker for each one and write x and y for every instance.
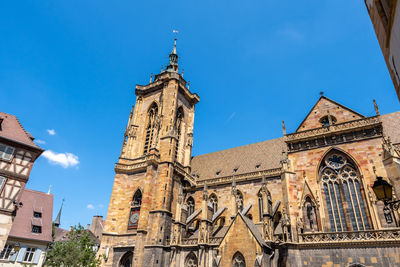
(18, 152)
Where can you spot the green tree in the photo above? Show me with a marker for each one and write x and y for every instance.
(76, 251)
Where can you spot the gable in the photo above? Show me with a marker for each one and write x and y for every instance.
(238, 234)
(321, 109)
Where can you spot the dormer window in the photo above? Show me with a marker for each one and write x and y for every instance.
(235, 169)
(217, 173)
(1, 123)
(258, 165)
(325, 121)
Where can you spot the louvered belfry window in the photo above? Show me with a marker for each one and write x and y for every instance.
(178, 127)
(151, 127)
(344, 195)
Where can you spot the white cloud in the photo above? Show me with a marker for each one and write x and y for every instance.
(90, 206)
(64, 159)
(51, 131)
(40, 142)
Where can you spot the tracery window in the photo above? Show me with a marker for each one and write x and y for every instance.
(152, 125)
(135, 210)
(191, 260)
(343, 194)
(238, 260)
(178, 127)
(190, 205)
(214, 202)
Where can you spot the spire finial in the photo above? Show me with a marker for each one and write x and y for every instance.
(57, 221)
(173, 58)
(376, 108)
(321, 93)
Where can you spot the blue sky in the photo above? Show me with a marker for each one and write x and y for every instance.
(71, 66)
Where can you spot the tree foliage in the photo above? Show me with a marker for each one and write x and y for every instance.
(76, 251)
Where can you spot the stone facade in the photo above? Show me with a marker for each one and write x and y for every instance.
(385, 17)
(304, 199)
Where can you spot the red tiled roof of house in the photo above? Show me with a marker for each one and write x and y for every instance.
(12, 129)
(33, 201)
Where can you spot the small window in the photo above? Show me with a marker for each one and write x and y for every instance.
(325, 121)
(6, 252)
(36, 229)
(29, 253)
(6, 152)
(37, 214)
(2, 181)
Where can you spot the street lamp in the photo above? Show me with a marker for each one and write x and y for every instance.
(383, 191)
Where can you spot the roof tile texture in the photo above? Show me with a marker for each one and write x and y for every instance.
(12, 129)
(22, 225)
(266, 154)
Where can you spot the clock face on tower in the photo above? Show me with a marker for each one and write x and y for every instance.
(133, 218)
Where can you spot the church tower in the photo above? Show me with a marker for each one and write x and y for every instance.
(156, 147)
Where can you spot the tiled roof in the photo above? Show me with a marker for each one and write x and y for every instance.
(62, 235)
(34, 201)
(391, 126)
(266, 154)
(12, 129)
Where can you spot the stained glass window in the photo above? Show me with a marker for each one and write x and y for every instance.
(343, 194)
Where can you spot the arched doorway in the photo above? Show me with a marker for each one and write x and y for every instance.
(126, 260)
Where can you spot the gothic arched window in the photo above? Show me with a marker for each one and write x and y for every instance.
(191, 260)
(178, 129)
(260, 206)
(214, 202)
(344, 194)
(135, 210)
(137, 199)
(190, 205)
(238, 260)
(151, 128)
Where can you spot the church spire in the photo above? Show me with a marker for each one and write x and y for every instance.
(173, 59)
(57, 221)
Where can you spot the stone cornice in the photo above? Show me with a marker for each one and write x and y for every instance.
(180, 170)
(138, 164)
(240, 177)
(345, 132)
(159, 82)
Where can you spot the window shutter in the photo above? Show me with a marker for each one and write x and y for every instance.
(38, 252)
(13, 256)
(21, 254)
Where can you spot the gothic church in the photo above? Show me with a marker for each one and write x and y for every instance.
(304, 199)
